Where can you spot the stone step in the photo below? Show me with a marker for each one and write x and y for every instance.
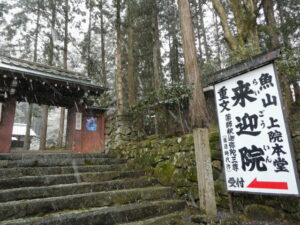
(37, 156)
(104, 215)
(74, 188)
(25, 208)
(176, 218)
(34, 181)
(40, 171)
(48, 162)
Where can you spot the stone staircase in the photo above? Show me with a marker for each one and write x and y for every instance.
(83, 189)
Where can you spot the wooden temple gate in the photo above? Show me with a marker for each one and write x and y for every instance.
(23, 81)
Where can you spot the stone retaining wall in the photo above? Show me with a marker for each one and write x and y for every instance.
(172, 161)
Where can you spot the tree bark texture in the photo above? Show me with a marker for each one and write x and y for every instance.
(66, 37)
(37, 30)
(245, 15)
(271, 22)
(199, 116)
(206, 48)
(88, 58)
(103, 60)
(27, 138)
(251, 24)
(156, 49)
(60, 138)
(43, 136)
(119, 74)
(160, 113)
(53, 22)
(130, 57)
(229, 38)
(282, 18)
(174, 46)
(217, 39)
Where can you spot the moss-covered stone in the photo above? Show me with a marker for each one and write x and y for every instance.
(214, 139)
(261, 212)
(164, 171)
(216, 173)
(172, 161)
(191, 174)
(146, 160)
(217, 164)
(220, 188)
(188, 139)
(290, 205)
(216, 155)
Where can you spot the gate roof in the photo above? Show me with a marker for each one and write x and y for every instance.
(43, 84)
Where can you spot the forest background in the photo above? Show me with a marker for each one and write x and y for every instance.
(134, 47)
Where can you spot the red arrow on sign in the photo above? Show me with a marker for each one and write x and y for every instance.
(268, 185)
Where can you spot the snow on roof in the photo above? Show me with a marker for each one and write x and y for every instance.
(19, 129)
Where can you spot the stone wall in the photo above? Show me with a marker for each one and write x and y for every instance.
(172, 161)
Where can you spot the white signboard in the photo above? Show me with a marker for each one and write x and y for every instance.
(78, 124)
(256, 148)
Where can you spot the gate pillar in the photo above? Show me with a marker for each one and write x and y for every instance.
(7, 115)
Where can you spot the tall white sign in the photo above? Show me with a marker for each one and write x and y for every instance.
(78, 121)
(256, 148)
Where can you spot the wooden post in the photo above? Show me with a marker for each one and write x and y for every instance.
(204, 172)
(230, 202)
(44, 125)
(6, 125)
(61, 129)
(28, 127)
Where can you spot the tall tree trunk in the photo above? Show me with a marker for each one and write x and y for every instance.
(217, 39)
(119, 74)
(156, 49)
(206, 48)
(174, 46)
(157, 70)
(197, 26)
(88, 60)
(43, 136)
(250, 24)
(53, 21)
(239, 18)
(62, 109)
(282, 17)
(271, 22)
(199, 43)
(273, 31)
(199, 115)
(66, 36)
(130, 57)
(27, 138)
(174, 58)
(103, 61)
(37, 30)
(229, 38)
